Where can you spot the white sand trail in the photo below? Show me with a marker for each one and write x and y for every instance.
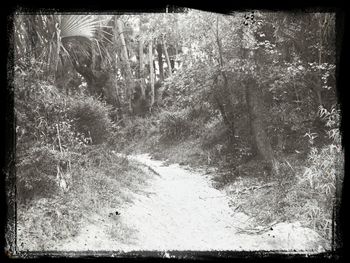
(180, 210)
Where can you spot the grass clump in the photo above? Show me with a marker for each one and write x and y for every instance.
(100, 182)
(174, 126)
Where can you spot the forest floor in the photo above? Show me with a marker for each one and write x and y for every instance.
(181, 210)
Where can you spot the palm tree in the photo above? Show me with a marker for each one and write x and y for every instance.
(49, 46)
(40, 39)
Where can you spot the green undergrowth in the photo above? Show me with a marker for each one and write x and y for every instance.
(176, 137)
(66, 170)
(304, 191)
(99, 183)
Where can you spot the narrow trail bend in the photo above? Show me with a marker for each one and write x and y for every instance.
(181, 210)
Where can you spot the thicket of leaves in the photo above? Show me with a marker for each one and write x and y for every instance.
(65, 171)
(312, 198)
(52, 128)
(91, 118)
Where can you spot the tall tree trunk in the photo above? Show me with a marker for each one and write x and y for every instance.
(257, 111)
(257, 114)
(154, 69)
(125, 59)
(141, 70)
(33, 35)
(142, 62)
(160, 61)
(226, 116)
(223, 97)
(151, 75)
(167, 56)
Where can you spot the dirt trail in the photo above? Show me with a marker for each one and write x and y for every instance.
(181, 210)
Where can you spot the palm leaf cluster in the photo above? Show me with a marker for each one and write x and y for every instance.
(78, 25)
(38, 39)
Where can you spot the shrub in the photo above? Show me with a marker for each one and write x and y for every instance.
(36, 172)
(315, 191)
(203, 111)
(215, 133)
(41, 116)
(43, 172)
(138, 127)
(91, 118)
(45, 138)
(174, 126)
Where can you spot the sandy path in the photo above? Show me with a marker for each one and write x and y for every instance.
(181, 210)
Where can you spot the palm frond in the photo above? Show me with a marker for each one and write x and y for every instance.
(78, 25)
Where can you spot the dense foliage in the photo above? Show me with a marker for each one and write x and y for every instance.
(251, 93)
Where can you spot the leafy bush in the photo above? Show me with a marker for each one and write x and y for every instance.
(45, 143)
(203, 111)
(215, 133)
(42, 117)
(316, 188)
(91, 118)
(45, 139)
(326, 164)
(174, 126)
(36, 174)
(138, 127)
